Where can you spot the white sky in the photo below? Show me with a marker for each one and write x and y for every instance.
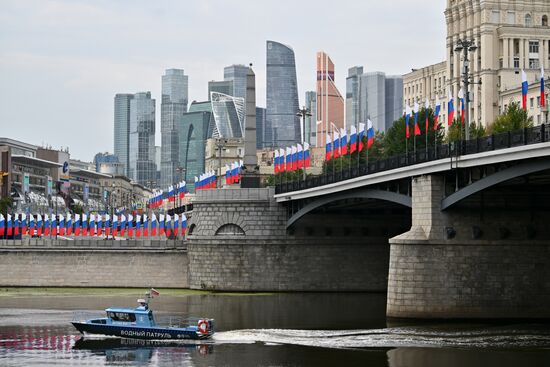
(62, 62)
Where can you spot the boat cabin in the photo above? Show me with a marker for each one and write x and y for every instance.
(140, 316)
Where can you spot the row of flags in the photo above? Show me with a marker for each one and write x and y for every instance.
(338, 145)
(296, 157)
(205, 181)
(233, 173)
(92, 225)
(157, 198)
(461, 96)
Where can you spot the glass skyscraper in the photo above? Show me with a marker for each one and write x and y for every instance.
(229, 113)
(237, 75)
(224, 86)
(260, 126)
(373, 96)
(122, 130)
(173, 106)
(143, 169)
(282, 126)
(311, 121)
(394, 99)
(194, 129)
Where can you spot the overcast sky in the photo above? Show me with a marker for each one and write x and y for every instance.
(62, 62)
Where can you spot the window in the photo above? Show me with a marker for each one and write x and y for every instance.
(533, 47)
(528, 20)
(495, 16)
(545, 21)
(532, 102)
(538, 101)
(230, 230)
(122, 316)
(516, 62)
(534, 64)
(511, 17)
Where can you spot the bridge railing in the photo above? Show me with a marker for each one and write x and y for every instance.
(533, 135)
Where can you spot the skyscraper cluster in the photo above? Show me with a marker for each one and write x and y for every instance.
(185, 127)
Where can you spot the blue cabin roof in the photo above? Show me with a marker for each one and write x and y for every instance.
(138, 310)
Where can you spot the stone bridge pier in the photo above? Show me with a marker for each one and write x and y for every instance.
(488, 256)
(238, 241)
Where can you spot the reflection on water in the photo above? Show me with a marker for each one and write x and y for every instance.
(278, 330)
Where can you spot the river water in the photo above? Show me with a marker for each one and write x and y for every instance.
(266, 330)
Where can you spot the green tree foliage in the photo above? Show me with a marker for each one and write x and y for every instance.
(77, 209)
(513, 118)
(394, 142)
(5, 204)
(282, 177)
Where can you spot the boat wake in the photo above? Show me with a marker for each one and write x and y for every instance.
(528, 337)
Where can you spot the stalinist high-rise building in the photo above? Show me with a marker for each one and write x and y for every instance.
(330, 103)
(509, 36)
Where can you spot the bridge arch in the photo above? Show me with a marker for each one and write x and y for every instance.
(507, 174)
(364, 194)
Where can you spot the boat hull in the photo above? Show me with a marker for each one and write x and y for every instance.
(151, 333)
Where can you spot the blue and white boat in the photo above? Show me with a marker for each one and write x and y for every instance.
(140, 323)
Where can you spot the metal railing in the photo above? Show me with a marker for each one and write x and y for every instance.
(527, 136)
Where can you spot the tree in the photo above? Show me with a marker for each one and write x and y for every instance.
(5, 204)
(395, 138)
(513, 118)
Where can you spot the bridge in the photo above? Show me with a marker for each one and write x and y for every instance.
(454, 232)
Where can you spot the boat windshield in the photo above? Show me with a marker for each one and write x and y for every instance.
(122, 316)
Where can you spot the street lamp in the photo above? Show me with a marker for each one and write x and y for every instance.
(466, 46)
(303, 113)
(219, 145)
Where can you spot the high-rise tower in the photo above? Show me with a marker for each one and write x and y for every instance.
(173, 106)
(282, 125)
(330, 104)
(143, 169)
(122, 130)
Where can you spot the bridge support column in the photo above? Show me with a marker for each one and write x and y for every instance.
(442, 268)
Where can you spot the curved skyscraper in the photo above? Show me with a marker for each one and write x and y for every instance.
(229, 114)
(282, 125)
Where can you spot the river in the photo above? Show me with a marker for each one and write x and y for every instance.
(297, 329)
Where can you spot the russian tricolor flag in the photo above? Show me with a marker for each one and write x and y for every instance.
(524, 89)
(416, 127)
(161, 224)
(153, 225)
(176, 224)
(69, 225)
(300, 155)
(437, 112)
(426, 108)
(328, 148)
(39, 225)
(276, 161)
(450, 109)
(407, 120)
(307, 159)
(370, 134)
(288, 159)
(138, 226)
(130, 225)
(360, 136)
(542, 95)
(336, 144)
(183, 224)
(352, 139)
(23, 223)
(92, 225)
(168, 226)
(10, 225)
(61, 225)
(108, 225)
(32, 225)
(294, 158)
(281, 160)
(462, 105)
(145, 226)
(2, 225)
(54, 225)
(343, 141)
(77, 225)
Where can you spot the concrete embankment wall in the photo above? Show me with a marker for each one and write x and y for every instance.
(93, 263)
(254, 264)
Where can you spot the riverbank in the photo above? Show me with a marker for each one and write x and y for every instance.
(76, 291)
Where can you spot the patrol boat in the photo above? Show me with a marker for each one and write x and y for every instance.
(140, 323)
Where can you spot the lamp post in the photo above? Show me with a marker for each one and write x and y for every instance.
(466, 46)
(219, 145)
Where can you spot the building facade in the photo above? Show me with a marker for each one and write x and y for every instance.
(311, 121)
(237, 75)
(229, 114)
(282, 124)
(260, 127)
(394, 99)
(194, 129)
(330, 103)
(224, 87)
(509, 36)
(143, 169)
(122, 129)
(221, 152)
(173, 106)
